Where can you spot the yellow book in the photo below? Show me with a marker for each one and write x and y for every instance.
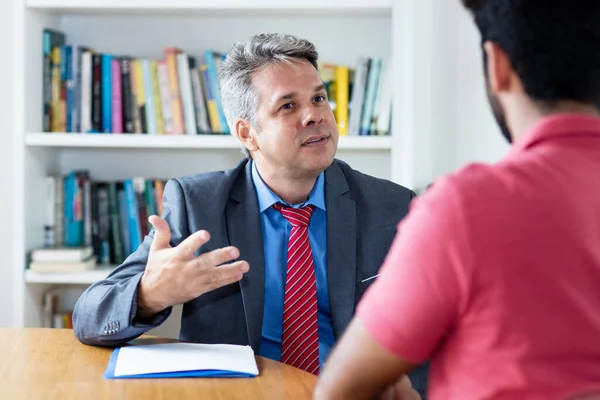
(211, 103)
(140, 93)
(341, 98)
(160, 124)
(177, 110)
(57, 104)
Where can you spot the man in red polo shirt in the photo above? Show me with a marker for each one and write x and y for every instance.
(495, 274)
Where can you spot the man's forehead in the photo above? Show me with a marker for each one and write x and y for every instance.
(284, 75)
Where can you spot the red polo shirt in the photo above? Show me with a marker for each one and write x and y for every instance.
(495, 273)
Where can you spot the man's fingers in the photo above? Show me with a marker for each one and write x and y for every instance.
(162, 233)
(186, 249)
(217, 257)
(224, 275)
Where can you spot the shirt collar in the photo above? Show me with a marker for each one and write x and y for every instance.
(266, 197)
(558, 126)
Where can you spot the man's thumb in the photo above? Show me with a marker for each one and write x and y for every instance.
(162, 233)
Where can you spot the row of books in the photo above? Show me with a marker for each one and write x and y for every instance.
(110, 217)
(361, 97)
(92, 92)
(87, 91)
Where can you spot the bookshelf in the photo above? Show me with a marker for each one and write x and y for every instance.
(343, 30)
(79, 278)
(216, 142)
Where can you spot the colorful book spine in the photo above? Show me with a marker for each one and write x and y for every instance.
(117, 98)
(176, 107)
(160, 125)
(107, 93)
(150, 109)
(165, 95)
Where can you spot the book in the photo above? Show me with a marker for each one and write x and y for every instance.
(62, 266)
(61, 254)
(178, 360)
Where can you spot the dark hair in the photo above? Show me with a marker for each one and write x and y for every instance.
(553, 45)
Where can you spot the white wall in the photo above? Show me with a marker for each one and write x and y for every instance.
(6, 45)
(460, 127)
(477, 136)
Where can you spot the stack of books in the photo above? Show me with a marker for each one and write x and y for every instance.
(62, 259)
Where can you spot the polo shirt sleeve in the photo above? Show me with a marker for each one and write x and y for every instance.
(423, 285)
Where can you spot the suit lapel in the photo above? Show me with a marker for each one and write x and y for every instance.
(341, 248)
(244, 230)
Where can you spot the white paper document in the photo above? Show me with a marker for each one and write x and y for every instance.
(177, 357)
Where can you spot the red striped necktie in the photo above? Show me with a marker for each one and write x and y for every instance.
(300, 341)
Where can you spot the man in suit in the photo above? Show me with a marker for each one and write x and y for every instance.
(309, 231)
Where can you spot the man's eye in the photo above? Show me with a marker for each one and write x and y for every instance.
(319, 98)
(286, 106)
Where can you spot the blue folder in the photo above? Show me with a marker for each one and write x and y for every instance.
(206, 373)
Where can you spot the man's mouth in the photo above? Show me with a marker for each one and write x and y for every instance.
(317, 140)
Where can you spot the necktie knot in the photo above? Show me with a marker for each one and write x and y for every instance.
(295, 216)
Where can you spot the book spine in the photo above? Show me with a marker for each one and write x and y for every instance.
(341, 98)
(199, 105)
(140, 94)
(165, 96)
(115, 226)
(213, 61)
(211, 104)
(117, 98)
(96, 93)
(176, 109)
(135, 235)
(76, 112)
(86, 92)
(103, 225)
(160, 126)
(185, 87)
(69, 84)
(150, 111)
(123, 218)
(358, 96)
(107, 93)
(127, 106)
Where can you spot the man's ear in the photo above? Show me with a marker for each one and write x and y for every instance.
(243, 131)
(499, 68)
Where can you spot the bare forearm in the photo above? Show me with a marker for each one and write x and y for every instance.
(359, 368)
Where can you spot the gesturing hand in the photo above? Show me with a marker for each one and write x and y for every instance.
(174, 275)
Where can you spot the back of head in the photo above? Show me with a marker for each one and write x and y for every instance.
(245, 59)
(553, 45)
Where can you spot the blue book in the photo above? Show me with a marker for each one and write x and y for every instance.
(182, 360)
(213, 63)
(66, 67)
(123, 219)
(106, 93)
(135, 231)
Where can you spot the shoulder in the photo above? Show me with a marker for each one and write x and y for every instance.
(474, 198)
(372, 188)
(207, 183)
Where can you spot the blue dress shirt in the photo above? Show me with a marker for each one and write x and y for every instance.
(276, 232)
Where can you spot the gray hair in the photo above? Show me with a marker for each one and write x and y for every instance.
(244, 59)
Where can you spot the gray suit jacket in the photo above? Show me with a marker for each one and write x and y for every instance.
(362, 214)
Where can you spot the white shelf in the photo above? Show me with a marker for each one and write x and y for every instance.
(63, 140)
(78, 278)
(237, 6)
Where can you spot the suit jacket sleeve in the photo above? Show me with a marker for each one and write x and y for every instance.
(105, 313)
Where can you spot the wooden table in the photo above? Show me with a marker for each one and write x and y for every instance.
(52, 364)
